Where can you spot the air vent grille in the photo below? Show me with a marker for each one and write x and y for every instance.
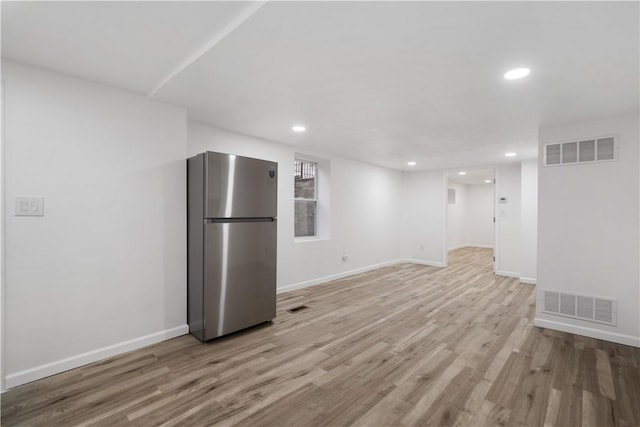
(582, 307)
(579, 152)
(297, 308)
(570, 152)
(585, 307)
(552, 302)
(568, 304)
(604, 311)
(605, 149)
(588, 150)
(553, 156)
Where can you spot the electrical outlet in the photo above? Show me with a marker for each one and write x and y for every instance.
(345, 257)
(29, 206)
(421, 247)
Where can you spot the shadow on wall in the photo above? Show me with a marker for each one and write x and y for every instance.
(175, 259)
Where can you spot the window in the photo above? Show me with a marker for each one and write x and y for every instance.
(305, 198)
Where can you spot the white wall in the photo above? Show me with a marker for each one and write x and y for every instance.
(508, 219)
(529, 224)
(588, 229)
(104, 270)
(425, 217)
(365, 209)
(106, 263)
(456, 217)
(479, 215)
(2, 247)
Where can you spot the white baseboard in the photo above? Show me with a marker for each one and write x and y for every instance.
(529, 280)
(42, 371)
(587, 332)
(325, 279)
(422, 262)
(507, 273)
(453, 248)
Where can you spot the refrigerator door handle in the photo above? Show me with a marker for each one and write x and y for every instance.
(225, 220)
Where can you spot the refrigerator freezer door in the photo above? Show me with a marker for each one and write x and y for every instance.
(237, 187)
(240, 276)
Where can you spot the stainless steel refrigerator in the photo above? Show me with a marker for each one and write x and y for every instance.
(231, 213)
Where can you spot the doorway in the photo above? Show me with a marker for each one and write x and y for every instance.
(471, 212)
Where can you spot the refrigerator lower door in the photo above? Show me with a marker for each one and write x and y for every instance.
(240, 276)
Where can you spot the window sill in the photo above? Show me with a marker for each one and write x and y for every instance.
(309, 239)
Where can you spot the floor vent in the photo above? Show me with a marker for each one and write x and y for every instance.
(579, 152)
(297, 309)
(583, 307)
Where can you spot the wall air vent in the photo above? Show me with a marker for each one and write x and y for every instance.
(594, 150)
(552, 154)
(570, 152)
(568, 304)
(588, 150)
(582, 307)
(552, 302)
(605, 149)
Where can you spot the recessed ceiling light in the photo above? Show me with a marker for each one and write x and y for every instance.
(510, 154)
(462, 173)
(298, 128)
(411, 163)
(518, 73)
(488, 181)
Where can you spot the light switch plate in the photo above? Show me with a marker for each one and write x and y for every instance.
(29, 206)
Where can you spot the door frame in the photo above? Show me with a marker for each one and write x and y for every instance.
(445, 250)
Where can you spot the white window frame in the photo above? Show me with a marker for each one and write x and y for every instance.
(313, 200)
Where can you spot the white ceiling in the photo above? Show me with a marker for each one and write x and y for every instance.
(130, 45)
(471, 176)
(382, 82)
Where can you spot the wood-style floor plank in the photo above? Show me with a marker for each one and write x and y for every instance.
(402, 345)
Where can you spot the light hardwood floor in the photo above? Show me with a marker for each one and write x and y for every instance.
(402, 345)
